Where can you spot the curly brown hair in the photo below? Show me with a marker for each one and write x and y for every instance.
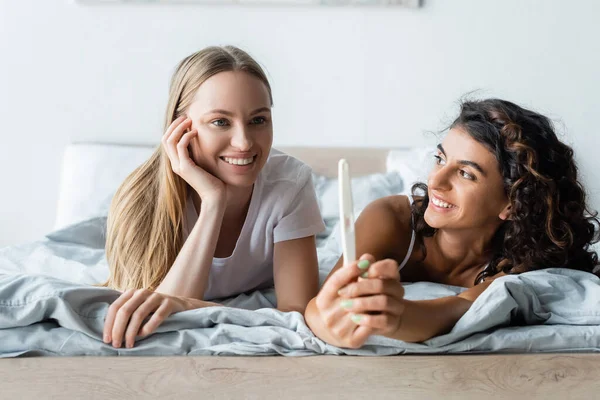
(550, 225)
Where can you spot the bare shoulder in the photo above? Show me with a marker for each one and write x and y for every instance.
(384, 227)
(394, 210)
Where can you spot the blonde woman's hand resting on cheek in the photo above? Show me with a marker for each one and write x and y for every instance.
(176, 142)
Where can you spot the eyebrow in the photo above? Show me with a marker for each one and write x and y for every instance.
(229, 113)
(464, 162)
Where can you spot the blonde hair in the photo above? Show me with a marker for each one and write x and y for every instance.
(145, 220)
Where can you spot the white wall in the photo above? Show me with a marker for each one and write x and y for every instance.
(352, 77)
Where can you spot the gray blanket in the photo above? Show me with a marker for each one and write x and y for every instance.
(48, 307)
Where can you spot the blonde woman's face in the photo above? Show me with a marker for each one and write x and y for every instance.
(232, 113)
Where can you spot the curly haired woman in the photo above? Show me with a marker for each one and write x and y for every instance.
(503, 198)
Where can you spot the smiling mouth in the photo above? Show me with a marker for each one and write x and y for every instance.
(441, 203)
(239, 161)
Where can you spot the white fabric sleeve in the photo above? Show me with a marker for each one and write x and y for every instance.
(302, 217)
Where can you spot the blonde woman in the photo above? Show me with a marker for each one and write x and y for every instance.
(214, 212)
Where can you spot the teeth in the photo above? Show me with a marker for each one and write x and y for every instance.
(238, 161)
(440, 203)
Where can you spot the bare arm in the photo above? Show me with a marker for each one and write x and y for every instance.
(417, 321)
(188, 277)
(377, 233)
(348, 309)
(296, 273)
(425, 319)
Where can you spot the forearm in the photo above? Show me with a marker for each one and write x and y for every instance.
(188, 276)
(424, 319)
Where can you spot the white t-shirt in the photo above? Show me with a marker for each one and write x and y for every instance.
(283, 207)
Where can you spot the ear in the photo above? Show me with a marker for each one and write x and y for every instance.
(505, 214)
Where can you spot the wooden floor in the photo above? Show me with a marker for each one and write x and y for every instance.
(481, 377)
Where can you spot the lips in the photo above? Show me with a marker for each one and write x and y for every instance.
(441, 203)
(242, 161)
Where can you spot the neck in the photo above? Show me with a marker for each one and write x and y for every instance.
(458, 253)
(238, 200)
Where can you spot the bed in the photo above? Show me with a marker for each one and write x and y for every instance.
(48, 308)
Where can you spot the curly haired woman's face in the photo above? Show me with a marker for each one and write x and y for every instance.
(232, 113)
(465, 185)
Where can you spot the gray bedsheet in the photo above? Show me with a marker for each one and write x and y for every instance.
(48, 307)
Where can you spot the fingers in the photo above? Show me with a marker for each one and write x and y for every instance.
(178, 132)
(173, 136)
(183, 152)
(380, 323)
(369, 287)
(124, 313)
(367, 257)
(112, 312)
(157, 318)
(360, 336)
(379, 303)
(349, 333)
(174, 125)
(133, 328)
(342, 277)
(384, 269)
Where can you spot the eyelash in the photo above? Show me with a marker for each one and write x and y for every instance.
(263, 120)
(463, 173)
(220, 120)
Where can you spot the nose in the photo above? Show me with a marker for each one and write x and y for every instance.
(439, 178)
(242, 139)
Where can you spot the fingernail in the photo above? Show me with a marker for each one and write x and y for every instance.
(363, 264)
(346, 303)
(116, 344)
(356, 318)
(365, 275)
(341, 292)
(129, 345)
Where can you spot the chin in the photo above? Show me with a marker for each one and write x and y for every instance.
(431, 221)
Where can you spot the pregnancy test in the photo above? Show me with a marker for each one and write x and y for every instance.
(346, 213)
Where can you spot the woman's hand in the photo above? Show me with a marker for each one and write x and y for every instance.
(126, 317)
(376, 300)
(176, 143)
(361, 299)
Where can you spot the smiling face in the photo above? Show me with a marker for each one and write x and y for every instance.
(232, 113)
(465, 185)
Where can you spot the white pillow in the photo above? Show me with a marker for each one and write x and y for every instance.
(413, 165)
(91, 173)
